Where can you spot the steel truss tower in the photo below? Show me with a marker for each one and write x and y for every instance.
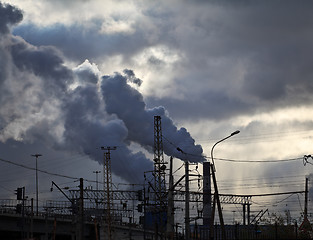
(159, 176)
(107, 187)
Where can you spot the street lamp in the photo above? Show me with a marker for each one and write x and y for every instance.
(216, 196)
(232, 134)
(36, 156)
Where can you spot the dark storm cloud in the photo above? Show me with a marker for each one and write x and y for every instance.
(9, 16)
(3, 65)
(269, 42)
(213, 105)
(79, 42)
(44, 62)
(131, 76)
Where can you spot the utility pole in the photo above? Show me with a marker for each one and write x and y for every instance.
(36, 156)
(207, 200)
(246, 217)
(23, 213)
(107, 179)
(187, 196)
(81, 209)
(170, 208)
(306, 198)
(187, 199)
(97, 188)
(32, 219)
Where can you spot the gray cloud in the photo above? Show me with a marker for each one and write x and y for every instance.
(202, 63)
(87, 73)
(64, 109)
(213, 105)
(131, 76)
(9, 16)
(44, 62)
(89, 41)
(242, 55)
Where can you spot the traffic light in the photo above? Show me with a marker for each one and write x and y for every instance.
(19, 208)
(19, 193)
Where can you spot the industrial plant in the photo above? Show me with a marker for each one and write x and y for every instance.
(146, 211)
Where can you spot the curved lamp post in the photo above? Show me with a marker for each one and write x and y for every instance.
(232, 134)
(216, 197)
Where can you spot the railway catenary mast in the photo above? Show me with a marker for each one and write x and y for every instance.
(108, 198)
(159, 178)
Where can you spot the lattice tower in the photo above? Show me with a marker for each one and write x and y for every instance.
(159, 167)
(108, 196)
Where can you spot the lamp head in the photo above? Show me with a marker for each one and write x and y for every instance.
(234, 133)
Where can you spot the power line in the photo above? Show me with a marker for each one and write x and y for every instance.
(304, 159)
(265, 136)
(272, 194)
(9, 190)
(258, 161)
(42, 171)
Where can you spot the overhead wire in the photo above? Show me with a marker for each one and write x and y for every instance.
(178, 168)
(43, 171)
(9, 190)
(304, 159)
(269, 137)
(258, 161)
(220, 159)
(297, 159)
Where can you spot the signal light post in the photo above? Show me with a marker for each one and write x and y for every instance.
(19, 193)
(20, 208)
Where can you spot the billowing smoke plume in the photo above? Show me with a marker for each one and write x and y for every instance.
(77, 109)
(128, 105)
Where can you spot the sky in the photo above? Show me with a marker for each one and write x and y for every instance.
(78, 75)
